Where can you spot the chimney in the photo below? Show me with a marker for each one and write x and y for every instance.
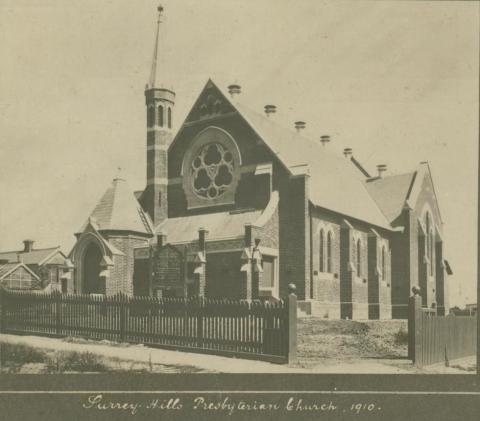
(161, 239)
(28, 245)
(300, 125)
(348, 152)
(202, 239)
(324, 140)
(381, 168)
(234, 90)
(270, 109)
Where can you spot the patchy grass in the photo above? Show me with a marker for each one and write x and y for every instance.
(323, 341)
(19, 358)
(72, 361)
(14, 356)
(401, 337)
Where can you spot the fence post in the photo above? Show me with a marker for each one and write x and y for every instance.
(3, 310)
(415, 327)
(200, 312)
(292, 323)
(58, 312)
(123, 316)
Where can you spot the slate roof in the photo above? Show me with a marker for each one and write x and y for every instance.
(34, 257)
(118, 209)
(334, 182)
(219, 225)
(390, 193)
(8, 268)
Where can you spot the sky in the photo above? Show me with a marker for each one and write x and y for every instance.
(395, 81)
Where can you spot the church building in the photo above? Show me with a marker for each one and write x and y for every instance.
(238, 206)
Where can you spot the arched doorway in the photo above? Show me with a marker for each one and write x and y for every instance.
(92, 282)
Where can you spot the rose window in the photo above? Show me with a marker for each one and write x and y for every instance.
(212, 171)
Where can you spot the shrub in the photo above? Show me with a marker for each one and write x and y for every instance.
(401, 337)
(75, 361)
(20, 354)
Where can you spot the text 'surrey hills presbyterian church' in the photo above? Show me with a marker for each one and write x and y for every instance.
(237, 206)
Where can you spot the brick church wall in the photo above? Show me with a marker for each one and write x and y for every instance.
(294, 238)
(251, 190)
(325, 285)
(360, 281)
(121, 275)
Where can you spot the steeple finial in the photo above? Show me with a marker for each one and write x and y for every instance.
(153, 72)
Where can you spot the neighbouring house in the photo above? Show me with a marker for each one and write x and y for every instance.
(17, 276)
(50, 265)
(236, 205)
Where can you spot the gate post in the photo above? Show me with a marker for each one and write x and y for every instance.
(415, 327)
(291, 324)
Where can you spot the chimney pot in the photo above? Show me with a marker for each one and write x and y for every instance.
(28, 245)
(381, 168)
(324, 139)
(234, 90)
(347, 152)
(161, 239)
(270, 109)
(300, 125)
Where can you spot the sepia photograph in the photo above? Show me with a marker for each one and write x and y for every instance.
(209, 196)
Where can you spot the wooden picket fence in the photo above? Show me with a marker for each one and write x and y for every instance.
(239, 328)
(434, 339)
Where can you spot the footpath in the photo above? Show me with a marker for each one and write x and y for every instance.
(218, 364)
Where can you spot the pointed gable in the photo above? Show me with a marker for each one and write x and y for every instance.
(390, 193)
(334, 183)
(119, 210)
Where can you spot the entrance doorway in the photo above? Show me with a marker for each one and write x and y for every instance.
(92, 282)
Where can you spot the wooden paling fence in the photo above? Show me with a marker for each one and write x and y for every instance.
(434, 339)
(245, 329)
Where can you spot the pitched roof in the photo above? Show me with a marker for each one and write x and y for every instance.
(390, 193)
(34, 257)
(219, 225)
(8, 268)
(118, 209)
(334, 182)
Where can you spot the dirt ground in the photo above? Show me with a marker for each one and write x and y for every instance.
(343, 340)
(324, 346)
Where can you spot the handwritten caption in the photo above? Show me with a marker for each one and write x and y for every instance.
(227, 405)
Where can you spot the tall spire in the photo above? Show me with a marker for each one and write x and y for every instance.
(153, 71)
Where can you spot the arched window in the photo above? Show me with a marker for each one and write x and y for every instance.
(169, 117)
(322, 251)
(160, 116)
(150, 116)
(329, 252)
(384, 267)
(359, 258)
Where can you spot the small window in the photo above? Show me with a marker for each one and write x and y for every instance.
(329, 252)
(268, 275)
(322, 251)
(160, 116)
(169, 117)
(359, 258)
(160, 199)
